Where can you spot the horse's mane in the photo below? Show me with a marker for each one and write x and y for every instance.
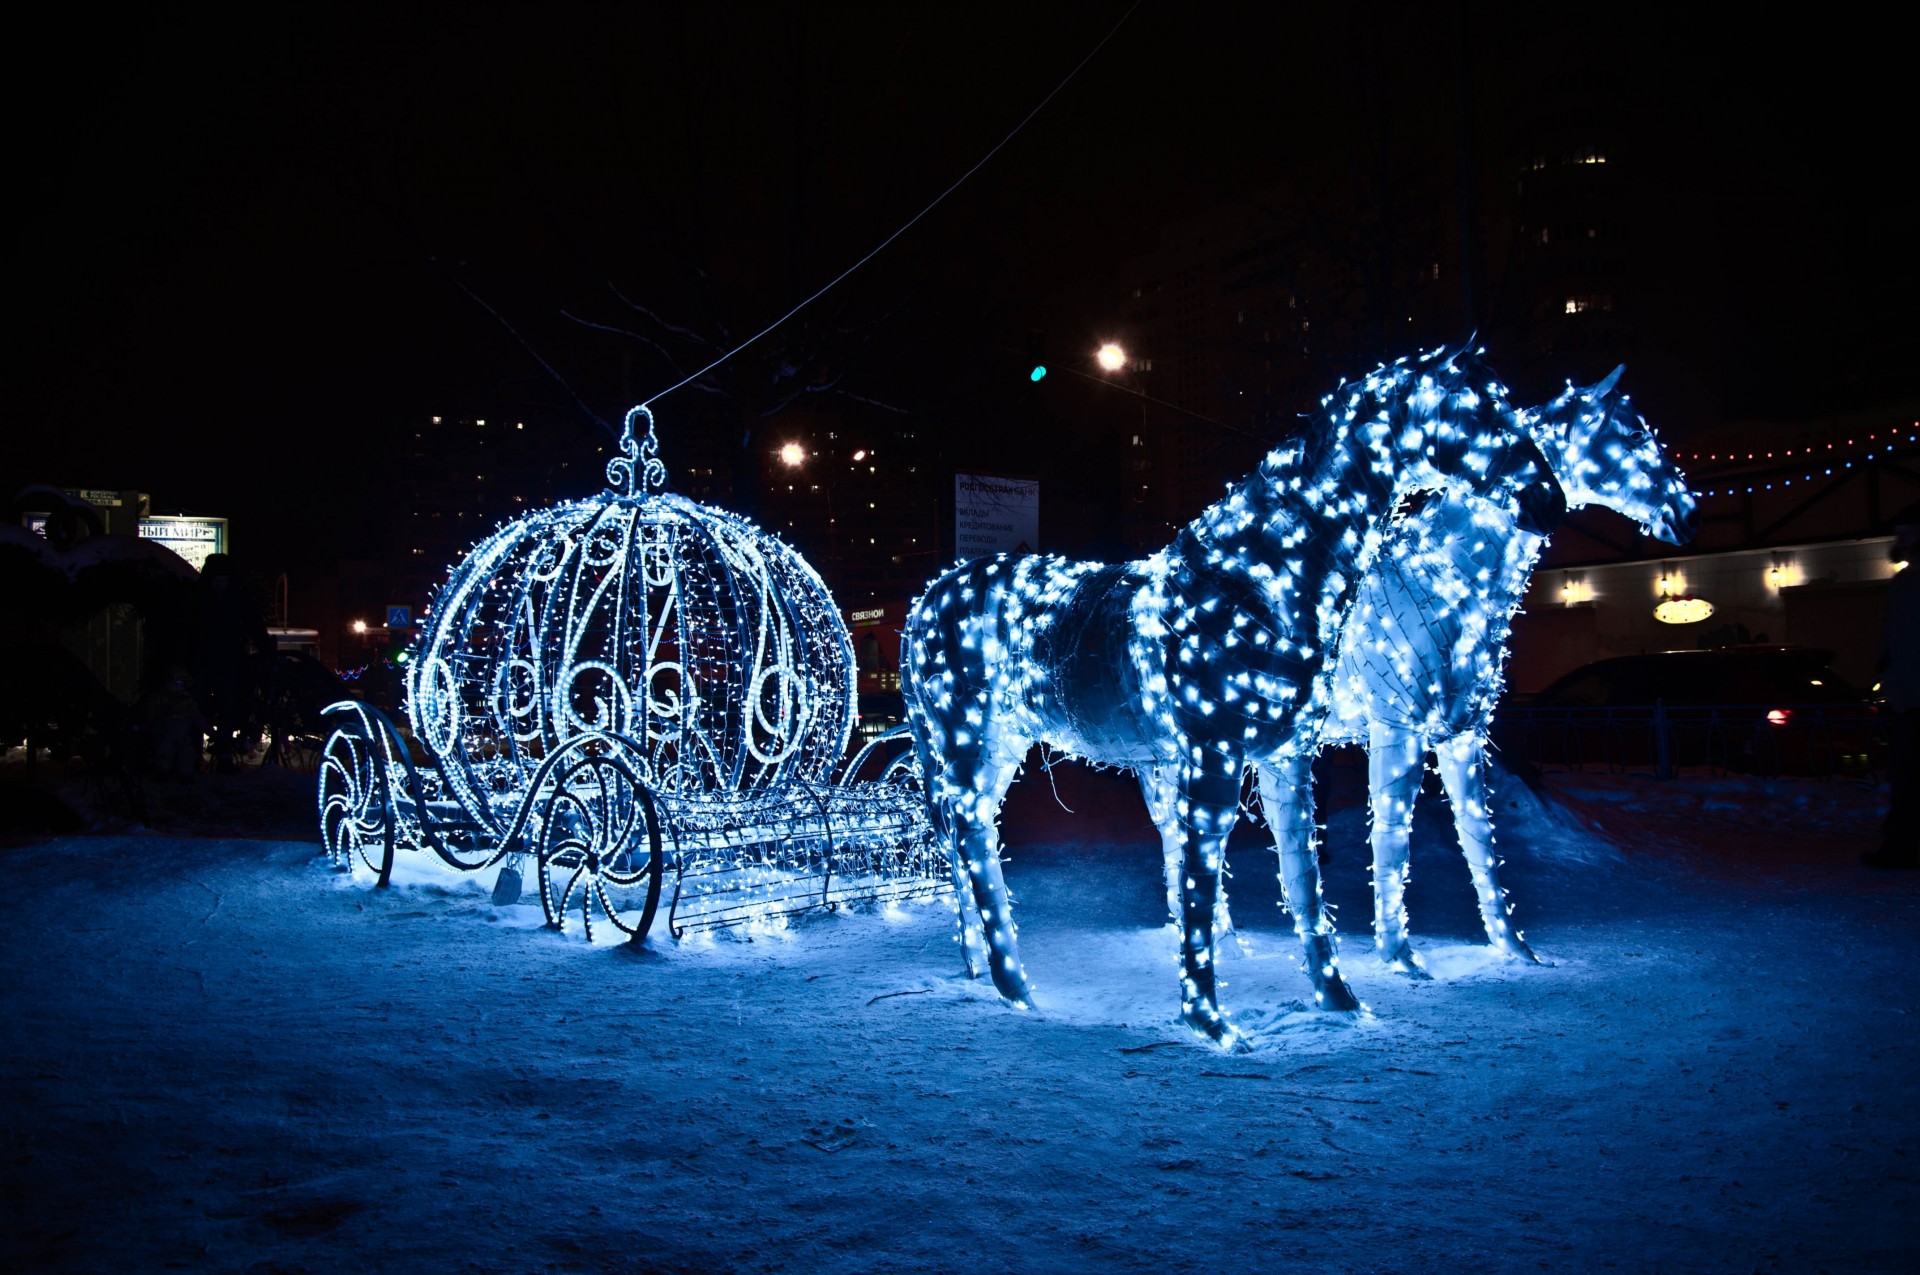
(1447, 383)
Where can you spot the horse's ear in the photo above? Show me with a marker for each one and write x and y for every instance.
(1605, 387)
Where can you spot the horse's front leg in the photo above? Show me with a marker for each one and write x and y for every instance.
(1463, 770)
(1394, 758)
(1286, 793)
(1201, 817)
(1162, 795)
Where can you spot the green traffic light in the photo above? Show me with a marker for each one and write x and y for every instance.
(1038, 373)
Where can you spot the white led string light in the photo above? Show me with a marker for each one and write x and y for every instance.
(617, 682)
(1209, 656)
(636, 613)
(1421, 657)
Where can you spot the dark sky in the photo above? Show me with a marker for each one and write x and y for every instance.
(241, 243)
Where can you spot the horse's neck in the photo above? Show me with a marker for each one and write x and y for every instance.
(1458, 575)
(1296, 532)
(1321, 486)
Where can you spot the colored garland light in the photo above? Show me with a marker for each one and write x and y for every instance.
(1908, 437)
(1874, 453)
(1684, 610)
(1212, 655)
(1421, 654)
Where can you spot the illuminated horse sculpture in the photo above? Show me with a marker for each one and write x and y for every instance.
(1190, 665)
(1420, 659)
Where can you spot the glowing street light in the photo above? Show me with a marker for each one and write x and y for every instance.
(359, 626)
(1111, 357)
(792, 455)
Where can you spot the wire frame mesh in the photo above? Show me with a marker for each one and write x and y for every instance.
(677, 625)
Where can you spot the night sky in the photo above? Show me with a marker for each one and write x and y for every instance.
(247, 255)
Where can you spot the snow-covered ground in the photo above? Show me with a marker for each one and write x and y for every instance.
(219, 1056)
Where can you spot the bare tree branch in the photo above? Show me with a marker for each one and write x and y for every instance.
(674, 328)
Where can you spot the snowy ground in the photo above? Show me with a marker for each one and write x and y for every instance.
(221, 1057)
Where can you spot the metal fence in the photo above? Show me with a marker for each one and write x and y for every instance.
(1771, 739)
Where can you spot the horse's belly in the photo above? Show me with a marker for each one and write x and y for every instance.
(1088, 692)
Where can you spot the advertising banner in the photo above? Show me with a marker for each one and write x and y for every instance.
(995, 515)
(195, 539)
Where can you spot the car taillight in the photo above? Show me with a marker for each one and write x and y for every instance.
(1779, 716)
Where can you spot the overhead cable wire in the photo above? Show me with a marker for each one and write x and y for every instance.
(937, 200)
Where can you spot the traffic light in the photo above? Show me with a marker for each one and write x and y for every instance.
(1035, 350)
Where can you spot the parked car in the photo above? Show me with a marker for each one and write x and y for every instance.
(1759, 709)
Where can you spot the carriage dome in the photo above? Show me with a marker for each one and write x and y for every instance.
(711, 644)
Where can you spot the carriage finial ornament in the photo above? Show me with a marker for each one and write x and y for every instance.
(643, 453)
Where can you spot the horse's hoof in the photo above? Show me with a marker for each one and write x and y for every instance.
(1014, 991)
(1333, 994)
(1406, 961)
(1213, 1025)
(1329, 989)
(1517, 949)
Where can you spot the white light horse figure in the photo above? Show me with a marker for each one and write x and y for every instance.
(1190, 665)
(1420, 658)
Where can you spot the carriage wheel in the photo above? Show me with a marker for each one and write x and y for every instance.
(600, 849)
(354, 824)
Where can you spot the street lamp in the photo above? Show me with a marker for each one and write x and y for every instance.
(792, 455)
(1111, 357)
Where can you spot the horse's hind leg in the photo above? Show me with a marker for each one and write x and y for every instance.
(1286, 793)
(1162, 798)
(1394, 759)
(1463, 769)
(983, 770)
(940, 792)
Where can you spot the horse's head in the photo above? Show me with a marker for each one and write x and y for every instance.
(1455, 431)
(1605, 455)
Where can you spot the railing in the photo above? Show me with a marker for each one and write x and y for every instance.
(1761, 739)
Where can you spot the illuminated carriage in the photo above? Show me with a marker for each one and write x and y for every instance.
(633, 695)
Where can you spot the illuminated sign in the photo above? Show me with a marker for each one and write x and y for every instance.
(995, 515)
(1683, 610)
(868, 617)
(195, 539)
